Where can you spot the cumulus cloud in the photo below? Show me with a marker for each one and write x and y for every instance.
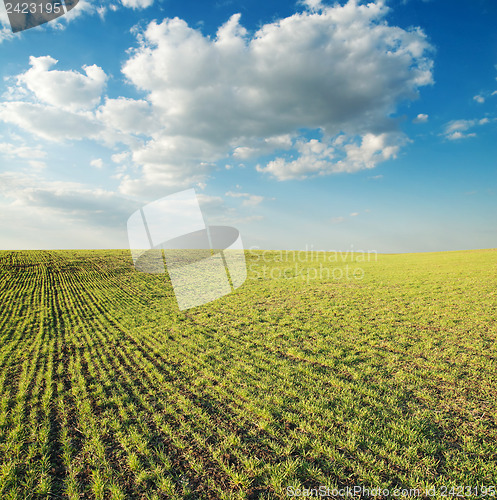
(479, 99)
(69, 90)
(342, 154)
(421, 118)
(55, 105)
(339, 70)
(129, 116)
(307, 70)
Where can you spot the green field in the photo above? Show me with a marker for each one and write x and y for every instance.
(300, 378)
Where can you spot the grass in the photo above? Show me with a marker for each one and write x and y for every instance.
(302, 377)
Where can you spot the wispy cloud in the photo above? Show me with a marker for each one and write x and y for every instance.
(460, 129)
(250, 200)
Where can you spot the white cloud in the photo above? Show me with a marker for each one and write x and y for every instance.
(68, 90)
(21, 151)
(263, 146)
(83, 8)
(306, 71)
(251, 200)
(50, 123)
(5, 33)
(234, 194)
(120, 157)
(244, 152)
(354, 214)
(341, 154)
(283, 78)
(479, 99)
(5, 30)
(129, 116)
(421, 118)
(341, 70)
(76, 215)
(97, 163)
(459, 129)
(454, 136)
(170, 162)
(137, 4)
(459, 125)
(31, 155)
(312, 5)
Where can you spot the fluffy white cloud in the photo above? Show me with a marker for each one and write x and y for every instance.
(56, 105)
(313, 5)
(64, 89)
(479, 99)
(341, 154)
(169, 162)
(129, 116)
(336, 69)
(340, 70)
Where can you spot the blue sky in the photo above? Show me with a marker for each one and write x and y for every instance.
(305, 125)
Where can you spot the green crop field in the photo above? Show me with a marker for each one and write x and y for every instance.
(327, 370)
